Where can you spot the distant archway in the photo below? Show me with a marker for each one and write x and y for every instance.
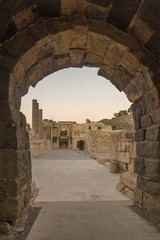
(81, 145)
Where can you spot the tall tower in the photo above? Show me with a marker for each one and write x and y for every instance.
(35, 114)
(40, 116)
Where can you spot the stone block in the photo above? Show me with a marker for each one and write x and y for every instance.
(48, 9)
(152, 100)
(146, 121)
(14, 94)
(139, 166)
(69, 7)
(121, 78)
(132, 149)
(138, 196)
(155, 116)
(61, 43)
(7, 26)
(123, 157)
(140, 135)
(129, 180)
(5, 227)
(153, 133)
(8, 138)
(148, 186)
(22, 139)
(97, 44)
(7, 61)
(24, 19)
(79, 37)
(120, 186)
(103, 3)
(148, 149)
(152, 169)
(122, 13)
(15, 46)
(96, 12)
(61, 62)
(132, 91)
(106, 71)
(137, 124)
(9, 189)
(44, 47)
(131, 64)
(29, 59)
(4, 89)
(77, 57)
(152, 203)
(131, 166)
(8, 164)
(141, 30)
(137, 109)
(47, 65)
(19, 6)
(114, 54)
(57, 25)
(19, 73)
(35, 74)
(92, 60)
(10, 209)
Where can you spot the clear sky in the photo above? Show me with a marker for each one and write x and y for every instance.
(75, 94)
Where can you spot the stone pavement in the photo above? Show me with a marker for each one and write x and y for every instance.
(78, 201)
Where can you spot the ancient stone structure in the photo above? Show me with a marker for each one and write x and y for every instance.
(123, 151)
(60, 133)
(37, 115)
(94, 137)
(37, 38)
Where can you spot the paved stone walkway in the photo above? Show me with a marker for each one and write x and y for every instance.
(78, 201)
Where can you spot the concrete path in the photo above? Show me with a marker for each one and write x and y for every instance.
(78, 201)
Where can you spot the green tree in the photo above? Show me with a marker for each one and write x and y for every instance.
(88, 121)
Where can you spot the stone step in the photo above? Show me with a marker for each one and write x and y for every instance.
(129, 180)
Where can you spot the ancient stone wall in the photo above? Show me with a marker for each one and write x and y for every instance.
(96, 136)
(99, 141)
(38, 147)
(123, 152)
(38, 38)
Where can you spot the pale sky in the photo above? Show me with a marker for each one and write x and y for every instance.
(75, 94)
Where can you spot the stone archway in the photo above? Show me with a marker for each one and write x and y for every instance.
(81, 145)
(41, 37)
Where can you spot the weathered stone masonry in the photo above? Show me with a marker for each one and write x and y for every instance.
(38, 37)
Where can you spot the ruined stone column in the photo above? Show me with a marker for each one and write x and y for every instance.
(35, 106)
(40, 112)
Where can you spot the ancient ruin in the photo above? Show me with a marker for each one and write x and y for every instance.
(39, 37)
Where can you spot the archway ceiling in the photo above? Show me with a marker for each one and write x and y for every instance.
(119, 36)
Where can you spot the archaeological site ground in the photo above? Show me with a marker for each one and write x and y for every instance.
(122, 39)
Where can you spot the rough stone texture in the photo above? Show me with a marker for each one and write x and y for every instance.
(139, 166)
(38, 147)
(123, 151)
(133, 26)
(152, 169)
(5, 227)
(148, 149)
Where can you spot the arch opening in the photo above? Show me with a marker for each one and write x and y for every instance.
(129, 59)
(81, 145)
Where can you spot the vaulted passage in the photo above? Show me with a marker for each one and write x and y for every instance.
(37, 38)
(81, 145)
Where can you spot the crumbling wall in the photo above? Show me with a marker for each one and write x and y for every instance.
(38, 147)
(123, 151)
(99, 141)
